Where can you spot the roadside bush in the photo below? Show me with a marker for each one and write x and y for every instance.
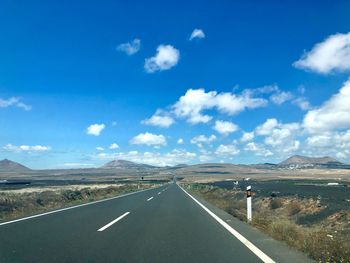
(293, 208)
(326, 248)
(262, 221)
(286, 231)
(275, 203)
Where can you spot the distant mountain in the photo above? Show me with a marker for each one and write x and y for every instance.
(10, 166)
(298, 161)
(122, 164)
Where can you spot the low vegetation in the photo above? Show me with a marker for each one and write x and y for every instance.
(324, 241)
(14, 204)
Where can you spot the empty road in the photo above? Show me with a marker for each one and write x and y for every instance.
(158, 225)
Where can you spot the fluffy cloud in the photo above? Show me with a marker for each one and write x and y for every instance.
(113, 146)
(171, 158)
(282, 134)
(180, 141)
(13, 101)
(195, 101)
(267, 127)
(166, 57)
(99, 148)
(281, 97)
(26, 148)
(302, 103)
(259, 150)
(197, 33)
(279, 136)
(225, 127)
(160, 118)
(333, 114)
(247, 136)
(226, 150)
(149, 139)
(95, 129)
(200, 139)
(333, 54)
(330, 143)
(130, 48)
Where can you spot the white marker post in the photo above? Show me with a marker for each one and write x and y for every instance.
(249, 203)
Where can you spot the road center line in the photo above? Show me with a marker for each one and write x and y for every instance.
(234, 232)
(113, 222)
(149, 199)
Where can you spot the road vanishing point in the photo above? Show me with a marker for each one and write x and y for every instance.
(164, 224)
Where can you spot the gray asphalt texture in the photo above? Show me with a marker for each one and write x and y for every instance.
(169, 228)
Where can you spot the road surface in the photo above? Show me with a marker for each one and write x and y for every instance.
(158, 225)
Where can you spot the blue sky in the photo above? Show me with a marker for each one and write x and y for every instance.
(256, 82)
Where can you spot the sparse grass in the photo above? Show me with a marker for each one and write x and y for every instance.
(277, 217)
(15, 205)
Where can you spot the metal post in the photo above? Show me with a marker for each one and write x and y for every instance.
(249, 203)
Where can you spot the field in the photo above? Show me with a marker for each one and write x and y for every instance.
(19, 199)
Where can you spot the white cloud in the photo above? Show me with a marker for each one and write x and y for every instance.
(95, 129)
(259, 150)
(247, 136)
(197, 33)
(225, 127)
(279, 136)
(167, 57)
(194, 102)
(282, 134)
(26, 148)
(171, 158)
(130, 48)
(229, 149)
(330, 143)
(13, 101)
(200, 139)
(180, 141)
(281, 97)
(333, 114)
(160, 118)
(149, 139)
(113, 146)
(333, 54)
(265, 89)
(99, 148)
(267, 127)
(302, 103)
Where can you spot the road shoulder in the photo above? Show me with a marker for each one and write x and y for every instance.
(277, 250)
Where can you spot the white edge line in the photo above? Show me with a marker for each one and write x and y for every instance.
(113, 222)
(149, 199)
(72, 207)
(234, 232)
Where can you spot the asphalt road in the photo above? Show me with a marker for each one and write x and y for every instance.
(157, 225)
